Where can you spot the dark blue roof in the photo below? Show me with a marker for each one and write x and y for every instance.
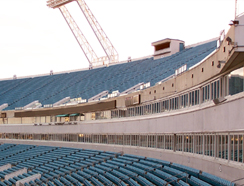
(87, 83)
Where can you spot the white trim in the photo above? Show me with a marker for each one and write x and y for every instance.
(201, 43)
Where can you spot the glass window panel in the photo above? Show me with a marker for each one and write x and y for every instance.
(212, 91)
(143, 141)
(134, 140)
(81, 138)
(152, 141)
(126, 139)
(236, 81)
(160, 141)
(169, 142)
(179, 142)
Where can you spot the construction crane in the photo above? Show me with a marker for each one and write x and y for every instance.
(112, 55)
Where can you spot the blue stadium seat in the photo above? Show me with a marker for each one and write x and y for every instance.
(58, 168)
(214, 180)
(186, 169)
(197, 182)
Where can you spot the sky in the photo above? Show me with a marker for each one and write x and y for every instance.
(35, 39)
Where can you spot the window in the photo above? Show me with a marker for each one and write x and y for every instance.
(236, 81)
(143, 141)
(134, 140)
(104, 139)
(160, 142)
(215, 89)
(196, 97)
(222, 146)
(152, 141)
(209, 145)
(169, 142)
(174, 103)
(188, 143)
(162, 46)
(179, 142)
(184, 100)
(198, 146)
(165, 105)
(205, 93)
(127, 140)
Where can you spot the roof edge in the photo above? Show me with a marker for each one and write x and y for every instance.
(202, 42)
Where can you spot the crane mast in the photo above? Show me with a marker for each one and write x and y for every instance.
(111, 54)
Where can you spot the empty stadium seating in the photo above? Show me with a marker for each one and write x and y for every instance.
(76, 167)
(87, 83)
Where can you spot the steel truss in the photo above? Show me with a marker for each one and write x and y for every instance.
(111, 54)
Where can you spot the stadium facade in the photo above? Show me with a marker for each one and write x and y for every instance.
(190, 115)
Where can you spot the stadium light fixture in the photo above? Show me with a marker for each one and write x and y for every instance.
(229, 39)
(219, 100)
(234, 22)
(219, 63)
(57, 3)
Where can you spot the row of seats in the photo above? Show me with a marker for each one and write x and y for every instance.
(70, 166)
(88, 83)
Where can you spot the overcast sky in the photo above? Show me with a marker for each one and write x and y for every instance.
(35, 39)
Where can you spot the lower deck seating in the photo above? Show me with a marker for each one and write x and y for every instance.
(77, 167)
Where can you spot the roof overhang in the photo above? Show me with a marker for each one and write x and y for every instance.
(67, 110)
(236, 59)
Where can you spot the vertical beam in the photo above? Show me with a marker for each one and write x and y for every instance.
(203, 145)
(174, 142)
(215, 146)
(229, 147)
(106, 44)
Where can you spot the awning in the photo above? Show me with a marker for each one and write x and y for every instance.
(77, 114)
(63, 115)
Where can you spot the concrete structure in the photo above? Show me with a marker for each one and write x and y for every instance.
(193, 118)
(167, 47)
(16, 173)
(4, 167)
(28, 179)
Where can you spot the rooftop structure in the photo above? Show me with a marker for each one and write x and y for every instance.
(167, 47)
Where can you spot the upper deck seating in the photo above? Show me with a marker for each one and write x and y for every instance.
(88, 83)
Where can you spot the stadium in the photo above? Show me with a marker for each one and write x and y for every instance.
(172, 118)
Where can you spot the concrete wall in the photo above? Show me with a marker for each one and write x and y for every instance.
(28, 120)
(201, 73)
(209, 118)
(239, 30)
